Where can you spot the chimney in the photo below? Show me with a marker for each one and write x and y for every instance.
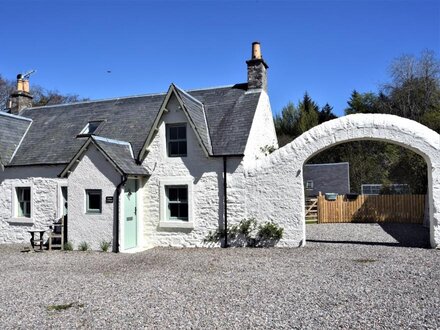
(257, 69)
(20, 98)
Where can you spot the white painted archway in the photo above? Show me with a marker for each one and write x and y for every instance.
(275, 186)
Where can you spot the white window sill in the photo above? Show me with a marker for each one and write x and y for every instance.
(22, 221)
(176, 224)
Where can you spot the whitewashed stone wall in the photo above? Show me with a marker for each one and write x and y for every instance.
(274, 188)
(204, 173)
(92, 172)
(262, 133)
(45, 206)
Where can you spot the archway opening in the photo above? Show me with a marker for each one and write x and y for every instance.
(367, 192)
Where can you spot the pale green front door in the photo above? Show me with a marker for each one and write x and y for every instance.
(130, 214)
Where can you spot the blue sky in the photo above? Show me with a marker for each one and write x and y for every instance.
(327, 48)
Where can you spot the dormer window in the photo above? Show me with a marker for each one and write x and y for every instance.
(176, 140)
(91, 127)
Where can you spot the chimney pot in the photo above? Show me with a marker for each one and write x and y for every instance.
(256, 50)
(26, 85)
(20, 84)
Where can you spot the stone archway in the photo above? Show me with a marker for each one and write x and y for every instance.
(275, 184)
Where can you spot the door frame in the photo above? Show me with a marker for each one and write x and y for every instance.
(139, 217)
(60, 207)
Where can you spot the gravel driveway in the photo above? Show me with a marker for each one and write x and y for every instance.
(374, 281)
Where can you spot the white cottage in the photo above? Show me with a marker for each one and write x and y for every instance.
(142, 171)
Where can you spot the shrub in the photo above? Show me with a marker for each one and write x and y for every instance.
(83, 246)
(269, 232)
(104, 245)
(247, 233)
(68, 246)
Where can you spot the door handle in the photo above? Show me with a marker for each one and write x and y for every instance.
(135, 210)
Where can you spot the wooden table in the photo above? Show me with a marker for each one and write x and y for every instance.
(39, 240)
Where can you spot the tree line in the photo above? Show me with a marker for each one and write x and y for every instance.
(41, 96)
(413, 92)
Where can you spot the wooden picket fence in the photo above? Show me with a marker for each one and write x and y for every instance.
(368, 208)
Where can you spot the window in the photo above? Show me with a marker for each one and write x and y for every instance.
(93, 201)
(176, 140)
(391, 189)
(23, 202)
(91, 127)
(177, 197)
(309, 184)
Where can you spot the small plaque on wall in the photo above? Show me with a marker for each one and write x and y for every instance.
(109, 199)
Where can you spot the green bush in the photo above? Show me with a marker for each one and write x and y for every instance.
(104, 245)
(248, 233)
(68, 246)
(83, 246)
(270, 230)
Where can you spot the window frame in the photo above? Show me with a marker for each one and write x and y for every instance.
(27, 203)
(168, 139)
(177, 202)
(85, 131)
(174, 223)
(309, 185)
(15, 218)
(89, 210)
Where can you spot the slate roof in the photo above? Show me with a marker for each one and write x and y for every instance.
(12, 130)
(53, 136)
(120, 153)
(229, 113)
(196, 112)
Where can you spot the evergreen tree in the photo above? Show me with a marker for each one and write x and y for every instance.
(362, 103)
(308, 114)
(326, 114)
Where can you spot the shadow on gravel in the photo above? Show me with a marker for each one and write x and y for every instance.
(408, 244)
(406, 235)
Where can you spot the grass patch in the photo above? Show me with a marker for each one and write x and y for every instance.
(68, 246)
(83, 246)
(63, 306)
(105, 245)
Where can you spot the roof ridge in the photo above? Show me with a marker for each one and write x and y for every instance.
(186, 93)
(134, 96)
(14, 116)
(104, 139)
(97, 101)
(213, 87)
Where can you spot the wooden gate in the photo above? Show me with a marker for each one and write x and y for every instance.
(311, 210)
(368, 208)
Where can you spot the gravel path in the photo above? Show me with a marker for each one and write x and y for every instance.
(356, 285)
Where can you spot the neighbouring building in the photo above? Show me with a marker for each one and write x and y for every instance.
(327, 178)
